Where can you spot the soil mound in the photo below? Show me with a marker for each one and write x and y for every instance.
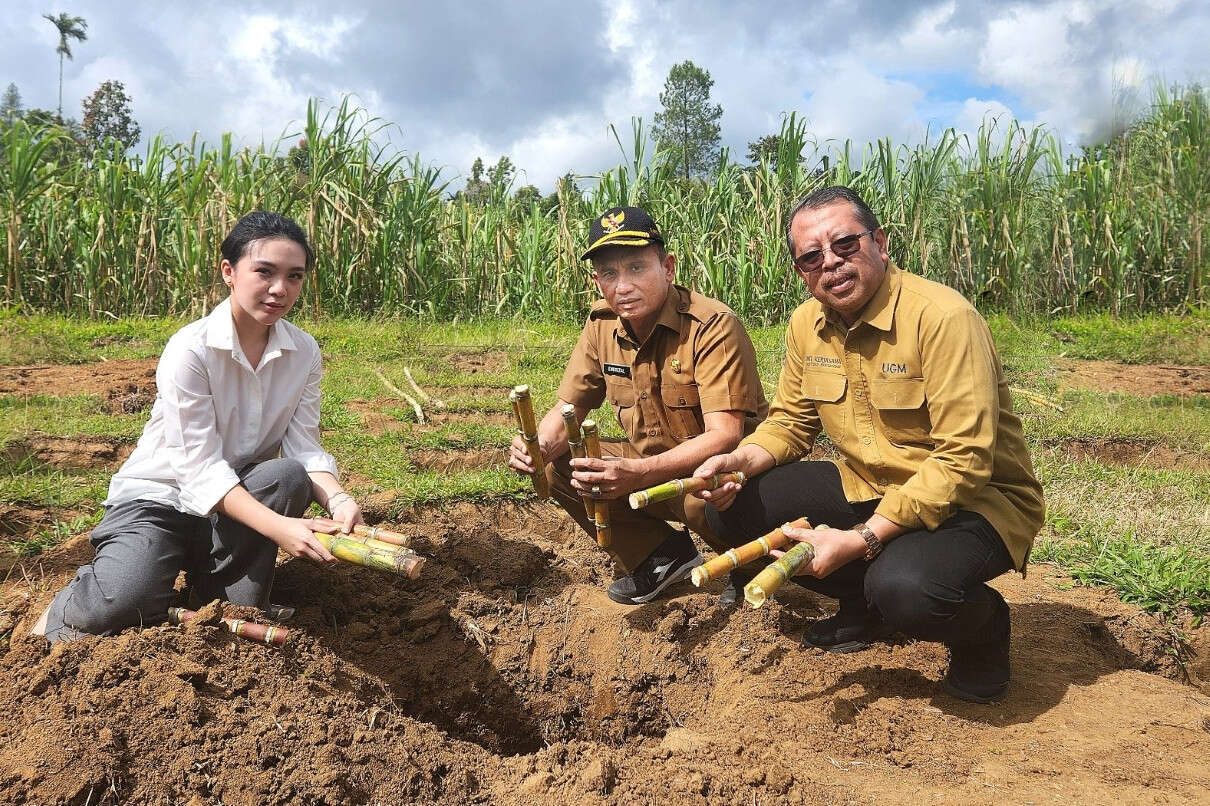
(127, 386)
(505, 675)
(1136, 379)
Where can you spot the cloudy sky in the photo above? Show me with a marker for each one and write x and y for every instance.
(541, 81)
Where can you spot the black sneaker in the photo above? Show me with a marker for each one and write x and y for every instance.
(854, 627)
(979, 672)
(675, 558)
(734, 592)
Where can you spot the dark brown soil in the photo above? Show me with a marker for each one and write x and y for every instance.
(505, 675)
(1146, 380)
(473, 363)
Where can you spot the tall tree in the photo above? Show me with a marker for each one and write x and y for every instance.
(688, 127)
(107, 115)
(10, 106)
(69, 28)
(764, 150)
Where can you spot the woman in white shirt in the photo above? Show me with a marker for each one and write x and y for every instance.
(229, 461)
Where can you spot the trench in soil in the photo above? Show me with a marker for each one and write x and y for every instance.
(489, 645)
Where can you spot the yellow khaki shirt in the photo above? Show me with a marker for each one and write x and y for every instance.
(915, 400)
(697, 360)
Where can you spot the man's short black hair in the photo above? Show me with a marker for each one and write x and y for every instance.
(830, 195)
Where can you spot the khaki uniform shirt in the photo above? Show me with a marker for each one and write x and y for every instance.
(915, 400)
(697, 360)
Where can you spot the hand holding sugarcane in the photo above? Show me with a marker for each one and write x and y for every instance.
(678, 487)
(725, 464)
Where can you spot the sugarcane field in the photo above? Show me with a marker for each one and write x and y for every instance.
(605, 403)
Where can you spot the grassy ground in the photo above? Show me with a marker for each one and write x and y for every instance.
(1141, 530)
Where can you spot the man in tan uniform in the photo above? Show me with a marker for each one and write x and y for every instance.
(934, 491)
(680, 371)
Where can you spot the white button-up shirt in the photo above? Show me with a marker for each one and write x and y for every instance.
(215, 413)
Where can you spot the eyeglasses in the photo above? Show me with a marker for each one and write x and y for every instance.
(841, 247)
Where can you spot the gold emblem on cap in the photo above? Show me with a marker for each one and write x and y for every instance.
(613, 223)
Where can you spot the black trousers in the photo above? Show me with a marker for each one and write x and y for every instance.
(927, 585)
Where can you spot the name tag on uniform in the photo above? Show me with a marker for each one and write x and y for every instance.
(620, 370)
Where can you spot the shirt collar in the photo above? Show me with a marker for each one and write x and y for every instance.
(220, 332)
(878, 313)
(675, 304)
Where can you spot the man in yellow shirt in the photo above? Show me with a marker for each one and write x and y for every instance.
(934, 491)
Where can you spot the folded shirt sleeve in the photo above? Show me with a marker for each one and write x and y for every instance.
(193, 445)
(301, 440)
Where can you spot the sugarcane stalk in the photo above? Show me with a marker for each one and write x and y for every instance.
(523, 408)
(592, 447)
(401, 394)
(372, 553)
(575, 440)
(742, 555)
(372, 532)
(766, 583)
(244, 629)
(678, 487)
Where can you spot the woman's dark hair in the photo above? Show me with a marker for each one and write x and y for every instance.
(258, 226)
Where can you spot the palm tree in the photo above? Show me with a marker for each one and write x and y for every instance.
(69, 26)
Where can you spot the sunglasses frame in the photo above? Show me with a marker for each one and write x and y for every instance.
(818, 254)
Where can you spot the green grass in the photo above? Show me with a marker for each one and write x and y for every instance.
(1140, 530)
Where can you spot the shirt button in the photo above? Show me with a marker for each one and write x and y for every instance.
(865, 440)
(882, 481)
(643, 396)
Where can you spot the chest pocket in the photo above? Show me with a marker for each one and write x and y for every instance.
(683, 409)
(902, 416)
(620, 394)
(826, 391)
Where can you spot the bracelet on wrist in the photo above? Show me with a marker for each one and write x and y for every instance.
(873, 544)
(337, 499)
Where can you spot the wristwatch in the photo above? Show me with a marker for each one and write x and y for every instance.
(873, 544)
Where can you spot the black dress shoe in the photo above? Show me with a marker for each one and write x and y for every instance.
(734, 592)
(979, 672)
(854, 627)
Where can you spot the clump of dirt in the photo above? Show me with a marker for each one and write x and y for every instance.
(474, 459)
(1147, 380)
(1130, 452)
(109, 380)
(473, 363)
(506, 675)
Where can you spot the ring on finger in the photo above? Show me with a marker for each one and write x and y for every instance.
(596, 491)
